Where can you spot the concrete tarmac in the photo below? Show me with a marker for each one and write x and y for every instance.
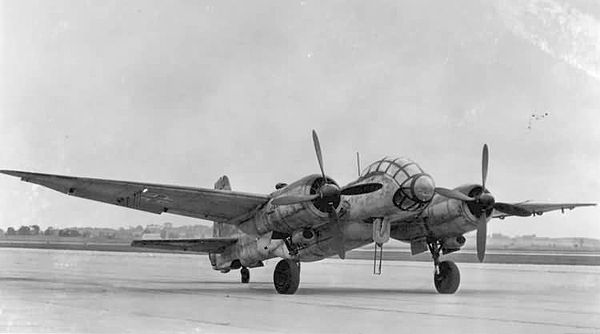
(58, 291)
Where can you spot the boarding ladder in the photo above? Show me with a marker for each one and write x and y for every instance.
(381, 235)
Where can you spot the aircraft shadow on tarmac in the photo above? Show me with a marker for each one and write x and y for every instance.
(232, 287)
(267, 288)
(263, 289)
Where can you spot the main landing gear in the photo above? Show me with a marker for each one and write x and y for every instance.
(287, 276)
(245, 272)
(446, 276)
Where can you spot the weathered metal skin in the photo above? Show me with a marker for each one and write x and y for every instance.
(455, 242)
(377, 204)
(289, 218)
(246, 250)
(304, 237)
(356, 234)
(407, 231)
(446, 216)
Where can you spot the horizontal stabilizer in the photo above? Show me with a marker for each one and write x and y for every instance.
(210, 245)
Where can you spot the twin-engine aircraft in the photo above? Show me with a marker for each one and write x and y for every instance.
(314, 218)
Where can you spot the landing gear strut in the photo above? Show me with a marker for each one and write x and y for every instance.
(446, 276)
(245, 275)
(287, 276)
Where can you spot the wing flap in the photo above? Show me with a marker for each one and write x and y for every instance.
(215, 205)
(210, 245)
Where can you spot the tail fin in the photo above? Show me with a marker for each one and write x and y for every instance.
(223, 183)
(222, 229)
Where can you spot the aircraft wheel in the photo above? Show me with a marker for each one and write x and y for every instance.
(245, 274)
(447, 279)
(287, 277)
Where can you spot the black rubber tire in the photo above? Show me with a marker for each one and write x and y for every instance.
(448, 279)
(245, 275)
(286, 277)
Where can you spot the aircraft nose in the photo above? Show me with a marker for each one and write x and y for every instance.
(424, 188)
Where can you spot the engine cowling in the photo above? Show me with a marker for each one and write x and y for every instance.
(293, 217)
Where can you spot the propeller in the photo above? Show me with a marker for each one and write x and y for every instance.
(482, 203)
(329, 193)
(484, 200)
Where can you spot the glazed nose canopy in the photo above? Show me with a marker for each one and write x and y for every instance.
(415, 193)
(416, 188)
(423, 188)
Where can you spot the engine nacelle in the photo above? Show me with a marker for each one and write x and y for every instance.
(293, 217)
(304, 237)
(447, 216)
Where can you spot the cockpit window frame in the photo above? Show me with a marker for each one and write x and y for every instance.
(404, 172)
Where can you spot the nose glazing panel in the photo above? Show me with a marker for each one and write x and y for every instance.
(423, 188)
(415, 193)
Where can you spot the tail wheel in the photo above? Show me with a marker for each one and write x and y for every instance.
(287, 277)
(447, 277)
(245, 272)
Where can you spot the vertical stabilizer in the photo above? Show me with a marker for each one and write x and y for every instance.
(223, 183)
(222, 229)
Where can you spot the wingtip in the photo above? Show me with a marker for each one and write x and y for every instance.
(10, 172)
(21, 174)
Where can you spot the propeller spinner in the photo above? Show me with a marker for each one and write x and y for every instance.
(329, 193)
(482, 203)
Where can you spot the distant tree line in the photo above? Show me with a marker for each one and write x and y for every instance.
(24, 230)
(165, 231)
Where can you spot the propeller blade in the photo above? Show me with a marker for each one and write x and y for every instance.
(360, 189)
(481, 236)
(318, 151)
(484, 165)
(512, 209)
(453, 194)
(338, 235)
(293, 199)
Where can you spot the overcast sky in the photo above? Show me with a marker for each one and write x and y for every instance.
(182, 92)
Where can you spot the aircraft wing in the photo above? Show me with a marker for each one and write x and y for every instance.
(215, 205)
(540, 208)
(210, 245)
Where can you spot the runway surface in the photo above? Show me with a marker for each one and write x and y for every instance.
(62, 291)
